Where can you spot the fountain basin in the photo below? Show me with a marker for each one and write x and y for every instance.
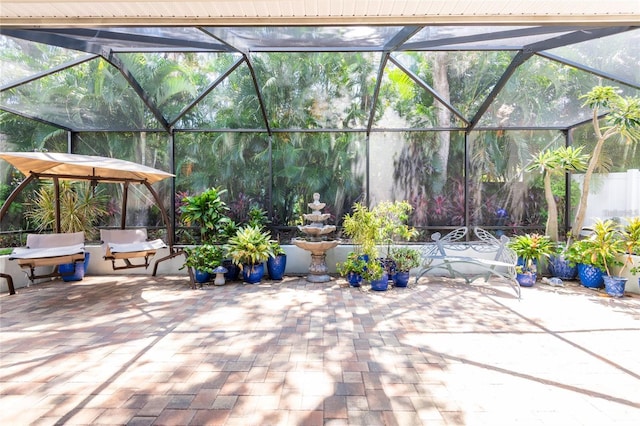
(316, 217)
(317, 248)
(315, 231)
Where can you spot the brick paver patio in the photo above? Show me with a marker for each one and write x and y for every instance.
(138, 350)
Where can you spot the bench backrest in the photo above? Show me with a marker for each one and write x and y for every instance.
(455, 241)
(55, 240)
(123, 236)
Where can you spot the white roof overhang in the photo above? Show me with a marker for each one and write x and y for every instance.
(316, 12)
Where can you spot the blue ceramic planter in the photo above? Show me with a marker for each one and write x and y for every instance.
(201, 276)
(233, 270)
(382, 284)
(276, 266)
(526, 280)
(560, 267)
(614, 286)
(590, 276)
(401, 278)
(354, 279)
(70, 273)
(252, 274)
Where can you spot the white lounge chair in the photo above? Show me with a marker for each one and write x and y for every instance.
(128, 244)
(49, 250)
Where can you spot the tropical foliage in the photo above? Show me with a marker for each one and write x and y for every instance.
(531, 248)
(80, 208)
(405, 258)
(555, 161)
(320, 104)
(622, 121)
(204, 258)
(601, 248)
(251, 245)
(208, 212)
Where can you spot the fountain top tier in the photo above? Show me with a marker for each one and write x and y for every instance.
(316, 206)
(317, 228)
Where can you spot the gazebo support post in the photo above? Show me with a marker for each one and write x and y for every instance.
(125, 197)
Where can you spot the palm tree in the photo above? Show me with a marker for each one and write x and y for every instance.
(622, 120)
(552, 162)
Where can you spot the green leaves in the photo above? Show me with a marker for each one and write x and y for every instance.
(531, 247)
(80, 208)
(601, 248)
(204, 258)
(560, 160)
(405, 258)
(251, 245)
(208, 211)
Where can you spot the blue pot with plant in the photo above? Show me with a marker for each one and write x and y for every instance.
(530, 248)
(405, 259)
(598, 253)
(376, 275)
(252, 273)
(353, 268)
(203, 259)
(277, 263)
(250, 247)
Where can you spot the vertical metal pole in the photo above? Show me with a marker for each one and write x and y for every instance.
(56, 189)
(271, 182)
(568, 141)
(70, 142)
(171, 236)
(367, 171)
(125, 195)
(466, 175)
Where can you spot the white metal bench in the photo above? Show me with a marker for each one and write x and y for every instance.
(489, 257)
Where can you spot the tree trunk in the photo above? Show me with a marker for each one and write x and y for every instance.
(552, 219)
(578, 222)
(441, 86)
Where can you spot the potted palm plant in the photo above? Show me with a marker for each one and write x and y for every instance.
(249, 249)
(629, 236)
(631, 241)
(362, 226)
(530, 248)
(208, 212)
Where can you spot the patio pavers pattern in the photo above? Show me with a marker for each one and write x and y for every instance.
(143, 350)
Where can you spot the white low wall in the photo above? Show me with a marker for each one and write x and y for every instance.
(298, 262)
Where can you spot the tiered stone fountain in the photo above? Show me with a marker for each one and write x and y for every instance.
(316, 241)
